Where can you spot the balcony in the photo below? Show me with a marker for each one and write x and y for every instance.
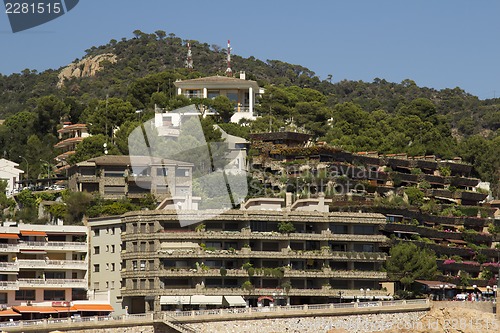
(52, 283)
(260, 272)
(9, 267)
(52, 264)
(8, 248)
(87, 179)
(323, 292)
(54, 246)
(213, 235)
(283, 254)
(9, 285)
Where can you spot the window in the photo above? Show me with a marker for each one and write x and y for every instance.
(151, 246)
(134, 265)
(107, 285)
(3, 298)
(96, 268)
(107, 248)
(363, 247)
(182, 173)
(96, 250)
(55, 275)
(112, 284)
(162, 172)
(112, 266)
(25, 295)
(96, 232)
(112, 249)
(107, 266)
(53, 295)
(112, 230)
(364, 230)
(143, 265)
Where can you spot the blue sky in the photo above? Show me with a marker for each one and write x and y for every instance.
(436, 43)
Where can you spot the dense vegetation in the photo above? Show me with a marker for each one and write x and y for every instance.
(357, 116)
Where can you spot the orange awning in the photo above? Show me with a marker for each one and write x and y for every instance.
(9, 236)
(34, 309)
(33, 233)
(93, 307)
(9, 313)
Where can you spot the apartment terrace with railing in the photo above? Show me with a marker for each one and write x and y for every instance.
(323, 253)
(277, 162)
(42, 263)
(462, 244)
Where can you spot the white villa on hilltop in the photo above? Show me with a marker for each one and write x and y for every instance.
(239, 90)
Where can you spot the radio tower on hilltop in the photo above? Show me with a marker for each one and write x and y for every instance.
(229, 71)
(189, 58)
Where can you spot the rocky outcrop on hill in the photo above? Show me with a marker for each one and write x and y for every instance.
(85, 67)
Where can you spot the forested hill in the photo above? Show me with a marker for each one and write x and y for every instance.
(379, 115)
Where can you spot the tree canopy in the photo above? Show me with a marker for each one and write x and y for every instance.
(407, 263)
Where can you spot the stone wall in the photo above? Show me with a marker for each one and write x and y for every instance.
(359, 323)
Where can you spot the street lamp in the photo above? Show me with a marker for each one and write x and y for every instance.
(340, 295)
(27, 167)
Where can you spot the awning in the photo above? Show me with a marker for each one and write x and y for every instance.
(206, 300)
(168, 300)
(235, 301)
(9, 313)
(33, 233)
(33, 251)
(437, 284)
(9, 236)
(34, 309)
(92, 307)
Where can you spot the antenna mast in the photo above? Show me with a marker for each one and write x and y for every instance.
(189, 59)
(229, 71)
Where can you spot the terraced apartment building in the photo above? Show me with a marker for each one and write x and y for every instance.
(296, 253)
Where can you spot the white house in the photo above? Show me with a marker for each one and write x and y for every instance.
(239, 90)
(10, 173)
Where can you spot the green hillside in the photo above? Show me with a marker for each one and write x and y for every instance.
(357, 116)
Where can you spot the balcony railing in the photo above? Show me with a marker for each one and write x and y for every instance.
(53, 264)
(9, 285)
(326, 273)
(9, 248)
(54, 246)
(9, 267)
(258, 235)
(283, 254)
(325, 292)
(52, 283)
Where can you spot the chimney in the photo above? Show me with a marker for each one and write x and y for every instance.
(243, 76)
